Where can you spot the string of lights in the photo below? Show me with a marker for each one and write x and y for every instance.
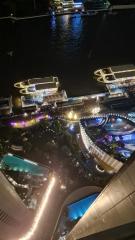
(40, 211)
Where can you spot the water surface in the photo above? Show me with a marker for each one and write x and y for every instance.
(69, 46)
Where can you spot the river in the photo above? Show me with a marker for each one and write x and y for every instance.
(68, 46)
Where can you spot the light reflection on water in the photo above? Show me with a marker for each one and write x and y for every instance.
(66, 31)
(69, 46)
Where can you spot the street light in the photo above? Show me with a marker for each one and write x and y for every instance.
(70, 115)
(62, 187)
(75, 116)
(95, 110)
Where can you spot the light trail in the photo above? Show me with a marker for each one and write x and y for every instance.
(40, 211)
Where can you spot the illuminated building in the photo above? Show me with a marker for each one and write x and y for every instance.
(59, 96)
(112, 215)
(20, 214)
(110, 139)
(36, 86)
(45, 89)
(5, 106)
(68, 5)
(119, 80)
(73, 6)
(73, 208)
(34, 81)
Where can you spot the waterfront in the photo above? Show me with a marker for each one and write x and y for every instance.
(68, 46)
(72, 48)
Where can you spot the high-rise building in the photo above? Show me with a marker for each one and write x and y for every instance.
(14, 215)
(21, 188)
(112, 215)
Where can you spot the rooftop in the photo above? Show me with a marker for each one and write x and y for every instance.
(41, 80)
(125, 74)
(45, 86)
(122, 68)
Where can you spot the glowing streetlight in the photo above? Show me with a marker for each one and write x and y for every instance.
(95, 110)
(70, 115)
(75, 116)
(25, 114)
(62, 187)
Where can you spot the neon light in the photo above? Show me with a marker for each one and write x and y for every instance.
(40, 211)
(30, 122)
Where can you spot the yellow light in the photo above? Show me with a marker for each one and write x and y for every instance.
(25, 114)
(40, 211)
(75, 116)
(95, 110)
(70, 115)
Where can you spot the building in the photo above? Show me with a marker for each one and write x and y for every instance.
(44, 89)
(14, 215)
(36, 86)
(34, 81)
(29, 101)
(119, 80)
(73, 208)
(62, 6)
(25, 187)
(112, 215)
(5, 106)
(109, 138)
(67, 5)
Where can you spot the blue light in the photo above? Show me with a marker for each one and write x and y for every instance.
(78, 209)
(128, 137)
(53, 22)
(119, 119)
(117, 138)
(78, 4)
(71, 127)
(125, 153)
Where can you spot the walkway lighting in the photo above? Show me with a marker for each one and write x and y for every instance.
(40, 211)
(70, 115)
(25, 114)
(75, 116)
